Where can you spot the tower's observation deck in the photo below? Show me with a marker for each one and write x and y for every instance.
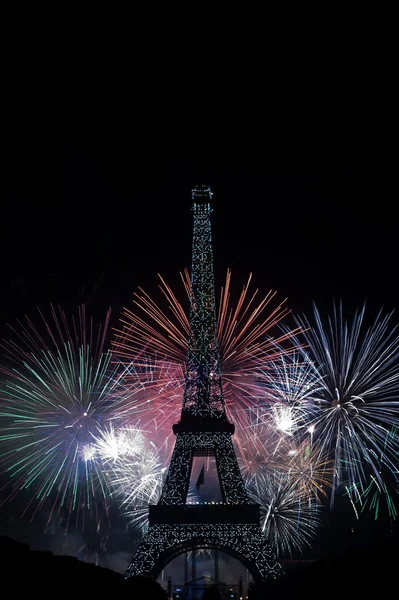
(202, 197)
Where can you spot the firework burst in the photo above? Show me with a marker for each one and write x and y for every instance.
(135, 473)
(268, 447)
(133, 469)
(150, 335)
(273, 429)
(358, 400)
(289, 517)
(309, 468)
(260, 444)
(59, 390)
(291, 382)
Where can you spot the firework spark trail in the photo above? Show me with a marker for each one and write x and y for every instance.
(292, 381)
(156, 386)
(289, 517)
(311, 471)
(377, 496)
(277, 446)
(260, 443)
(358, 403)
(374, 495)
(58, 392)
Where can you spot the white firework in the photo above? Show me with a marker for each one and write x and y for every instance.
(133, 469)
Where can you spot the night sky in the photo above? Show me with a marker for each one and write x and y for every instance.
(115, 218)
(93, 222)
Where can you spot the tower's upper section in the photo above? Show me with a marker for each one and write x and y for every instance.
(203, 403)
(202, 197)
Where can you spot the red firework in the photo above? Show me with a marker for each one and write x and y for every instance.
(152, 344)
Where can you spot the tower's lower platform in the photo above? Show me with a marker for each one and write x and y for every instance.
(244, 541)
(211, 512)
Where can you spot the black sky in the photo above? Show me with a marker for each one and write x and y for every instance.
(93, 224)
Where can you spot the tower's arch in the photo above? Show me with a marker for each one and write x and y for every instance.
(245, 542)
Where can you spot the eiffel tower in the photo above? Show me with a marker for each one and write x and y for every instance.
(233, 525)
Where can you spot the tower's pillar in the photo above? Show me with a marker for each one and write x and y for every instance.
(193, 575)
(217, 565)
(185, 567)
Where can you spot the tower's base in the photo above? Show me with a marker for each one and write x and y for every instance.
(246, 542)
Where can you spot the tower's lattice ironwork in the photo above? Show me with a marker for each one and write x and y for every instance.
(204, 430)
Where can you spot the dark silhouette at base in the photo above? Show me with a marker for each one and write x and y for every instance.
(353, 573)
(143, 587)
